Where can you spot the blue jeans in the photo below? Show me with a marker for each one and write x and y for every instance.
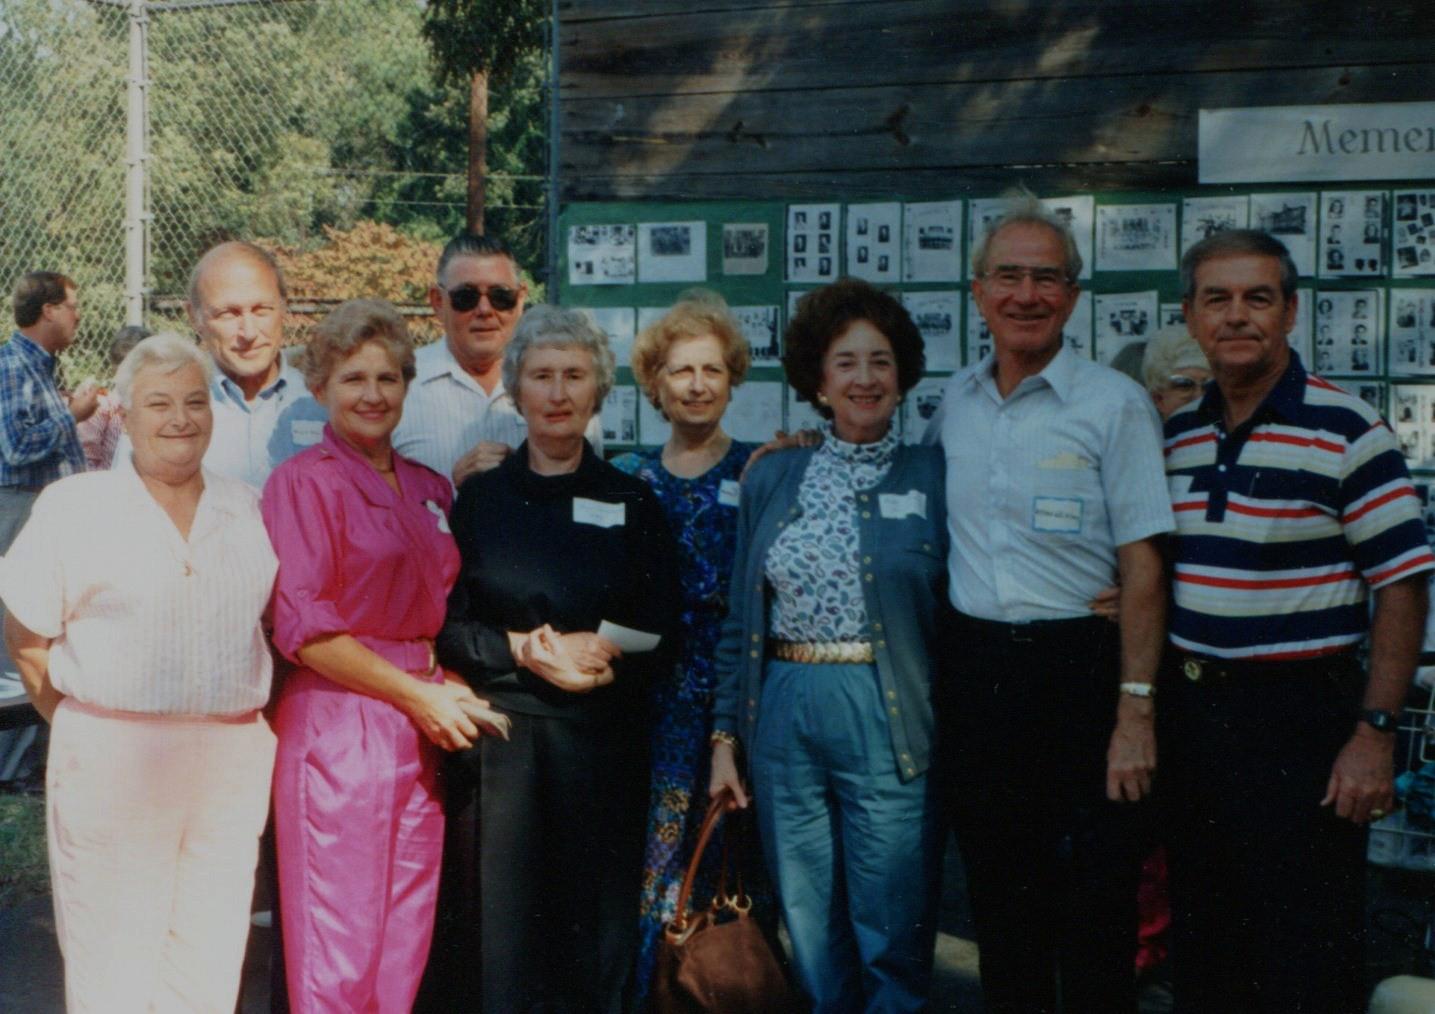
(854, 851)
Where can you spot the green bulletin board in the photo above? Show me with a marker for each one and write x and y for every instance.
(1392, 366)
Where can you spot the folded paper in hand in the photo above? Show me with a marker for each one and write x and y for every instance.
(627, 639)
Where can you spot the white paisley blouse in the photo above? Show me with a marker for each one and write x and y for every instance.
(813, 565)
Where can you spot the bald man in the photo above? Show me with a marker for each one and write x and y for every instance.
(263, 414)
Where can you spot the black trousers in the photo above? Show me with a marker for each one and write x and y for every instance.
(1267, 886)
(1052, 866)
(550, 920)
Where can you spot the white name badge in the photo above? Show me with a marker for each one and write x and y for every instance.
(729, 493)
(437, 512)
(1056, 514)
(901, 505)
(306, 432)
(596, 512)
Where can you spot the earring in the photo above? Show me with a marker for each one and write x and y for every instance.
(821, 398)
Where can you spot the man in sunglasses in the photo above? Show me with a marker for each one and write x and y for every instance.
(1054, 486)
(458, 419)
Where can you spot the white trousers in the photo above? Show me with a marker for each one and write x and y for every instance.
(154, 826)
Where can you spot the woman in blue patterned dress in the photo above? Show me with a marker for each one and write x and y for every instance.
(687, 364)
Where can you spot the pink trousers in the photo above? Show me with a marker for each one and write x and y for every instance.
(154, 826)
(359, 828)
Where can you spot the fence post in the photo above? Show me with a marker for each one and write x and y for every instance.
(136, 164)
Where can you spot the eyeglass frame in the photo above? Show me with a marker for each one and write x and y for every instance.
(1058, 280)
(458, 297)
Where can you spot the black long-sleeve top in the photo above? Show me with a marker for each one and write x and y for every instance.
(531, 555)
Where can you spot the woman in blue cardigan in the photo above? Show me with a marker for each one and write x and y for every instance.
(825, 667)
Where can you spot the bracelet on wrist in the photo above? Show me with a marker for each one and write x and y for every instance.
(719, 736)
(1134, 689)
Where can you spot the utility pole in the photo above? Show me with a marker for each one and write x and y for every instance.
(137, 164)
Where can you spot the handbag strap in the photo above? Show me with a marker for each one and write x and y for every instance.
(716, 809)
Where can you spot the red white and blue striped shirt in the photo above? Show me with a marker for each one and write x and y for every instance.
(1285, 523)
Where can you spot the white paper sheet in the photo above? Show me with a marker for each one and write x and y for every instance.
(619, 323)
(628, 640)
(921, 405)
(1290, 218)
(874, 242)
(759, 325)
(1413, 236)
(1076, 335)
(620, 417)
(938, 315)
(1412, 332)
(1136, 237)
(1412, 416)
(672, 251)
(1122, 319)
(932, 241)
(755, 413)
(1202, 217)
(1352, 234)
(812, 242)
(983, 212)
(1080, 214)
(601, 255)
(1348, 331)
(744, 248)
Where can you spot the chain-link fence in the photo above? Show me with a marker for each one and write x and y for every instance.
(133, 135)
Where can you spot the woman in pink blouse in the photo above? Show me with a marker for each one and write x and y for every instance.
(366, 561)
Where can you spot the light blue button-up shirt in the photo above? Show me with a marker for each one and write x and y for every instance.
(252, 438)
(1042, 486)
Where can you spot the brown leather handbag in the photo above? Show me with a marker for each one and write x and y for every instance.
(719, 959)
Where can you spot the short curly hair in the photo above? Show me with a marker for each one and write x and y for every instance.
(824, 314)
(698, 312)
(347, 328)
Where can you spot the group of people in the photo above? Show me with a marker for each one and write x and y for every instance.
(501, 713)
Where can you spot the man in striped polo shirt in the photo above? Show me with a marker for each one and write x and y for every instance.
(1292, 504)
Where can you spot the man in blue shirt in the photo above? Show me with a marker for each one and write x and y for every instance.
(38, 442)
(263, 414)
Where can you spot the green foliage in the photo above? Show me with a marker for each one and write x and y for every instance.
(24, 872)
(491, 36)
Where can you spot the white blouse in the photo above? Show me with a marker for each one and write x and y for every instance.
(140, 618)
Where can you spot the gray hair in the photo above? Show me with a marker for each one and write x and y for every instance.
(1022, 207)
(232, 248)
(552, 327)
(1238, 243)
(165, 352)
(1170, 349)
(348, 327)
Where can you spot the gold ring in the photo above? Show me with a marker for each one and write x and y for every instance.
(1377, 813)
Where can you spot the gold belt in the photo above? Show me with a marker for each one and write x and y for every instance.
(822, 652)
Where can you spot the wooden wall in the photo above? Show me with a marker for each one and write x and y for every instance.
(784, 99)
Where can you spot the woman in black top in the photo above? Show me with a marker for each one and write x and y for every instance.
(554, 541)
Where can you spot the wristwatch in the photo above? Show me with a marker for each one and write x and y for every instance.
(1379, 720)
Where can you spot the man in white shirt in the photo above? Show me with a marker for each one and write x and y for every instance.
(458, 419)
(1055, 486)
(263, 413)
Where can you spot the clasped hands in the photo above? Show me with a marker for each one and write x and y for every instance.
(577, 662)
(452, 716)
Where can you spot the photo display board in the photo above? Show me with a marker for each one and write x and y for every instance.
(1366, 257)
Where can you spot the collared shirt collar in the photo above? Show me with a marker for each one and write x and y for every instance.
(1284, 400)
(227, 390)
(437, 360)
(1059, 374)
(213, 498)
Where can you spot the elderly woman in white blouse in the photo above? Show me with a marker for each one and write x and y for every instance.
(133, 602)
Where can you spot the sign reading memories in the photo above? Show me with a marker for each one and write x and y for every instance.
(1296, 144)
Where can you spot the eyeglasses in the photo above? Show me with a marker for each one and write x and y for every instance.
(1009, 276)
(1182, 383)
(466, 297)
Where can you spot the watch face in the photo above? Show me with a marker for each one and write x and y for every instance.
(1382, 721)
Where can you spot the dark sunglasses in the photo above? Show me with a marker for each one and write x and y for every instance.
(466, 297)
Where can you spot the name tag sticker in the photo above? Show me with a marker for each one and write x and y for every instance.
(729, 493)
(596, 512)
(1056, 514)
(306, 432)
(437, 512)
(901, 505)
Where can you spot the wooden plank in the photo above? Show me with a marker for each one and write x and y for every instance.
(936, 41)
(914, 184)
(1088, 120)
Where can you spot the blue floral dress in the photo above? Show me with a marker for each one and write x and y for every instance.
(703, 515)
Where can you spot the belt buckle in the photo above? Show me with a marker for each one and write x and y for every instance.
(1192, 669)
